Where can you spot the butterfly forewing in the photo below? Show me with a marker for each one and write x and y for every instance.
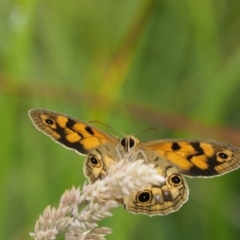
(197, 158)
(69, 132)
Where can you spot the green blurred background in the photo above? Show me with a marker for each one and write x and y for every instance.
(173, 65)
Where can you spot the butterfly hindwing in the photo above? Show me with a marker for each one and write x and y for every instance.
(99, 161)
(162, 199)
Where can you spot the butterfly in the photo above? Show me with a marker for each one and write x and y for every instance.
(173, 159)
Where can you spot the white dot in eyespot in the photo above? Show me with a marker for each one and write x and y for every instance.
(166, 193)
(157, 198)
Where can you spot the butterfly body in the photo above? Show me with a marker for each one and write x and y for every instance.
(172, 158)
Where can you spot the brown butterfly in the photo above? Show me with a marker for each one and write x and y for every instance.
(173, 158)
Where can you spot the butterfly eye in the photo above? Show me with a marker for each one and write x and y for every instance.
(123, 142)
(144, 197)
(49, 121)
(127, 142)
(131, 142)
(175, 179)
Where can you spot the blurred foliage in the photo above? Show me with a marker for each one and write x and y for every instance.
(174, 65)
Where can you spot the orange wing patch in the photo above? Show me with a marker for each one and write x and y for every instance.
(61, 121)
(70, 132)
(195, 158)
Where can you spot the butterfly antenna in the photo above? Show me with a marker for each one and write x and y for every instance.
(146, 130)
(105, 125)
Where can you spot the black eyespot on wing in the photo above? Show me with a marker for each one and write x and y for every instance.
(175, 179)
(222, 155)
(49, 121)
(94, 161)
(144, 197)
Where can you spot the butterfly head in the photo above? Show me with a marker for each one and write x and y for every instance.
(128, 143)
